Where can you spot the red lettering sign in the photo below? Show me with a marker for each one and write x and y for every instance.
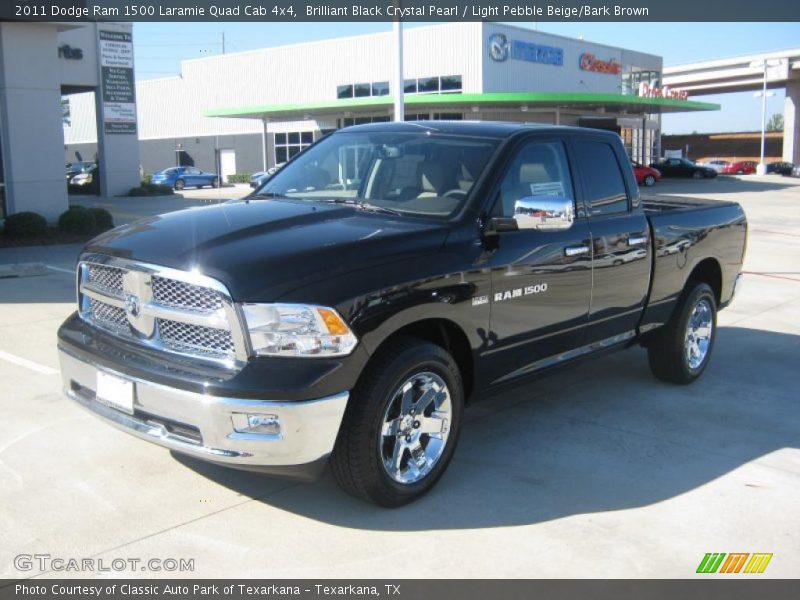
(589, 62)
(646, 91)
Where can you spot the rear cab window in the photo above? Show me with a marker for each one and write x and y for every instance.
(603, 181)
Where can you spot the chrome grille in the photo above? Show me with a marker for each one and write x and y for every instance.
(165, 309)
(109, 316)
(186, 337)
(170, 292)
(106, 278)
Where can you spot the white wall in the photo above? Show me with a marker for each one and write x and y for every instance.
(30, 103)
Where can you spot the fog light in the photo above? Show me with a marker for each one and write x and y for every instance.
(269, 424)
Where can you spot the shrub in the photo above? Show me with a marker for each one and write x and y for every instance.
(103, 219)
(25, 225)
(78, 220)
(147, 178)
(151, 189)
(239, 178)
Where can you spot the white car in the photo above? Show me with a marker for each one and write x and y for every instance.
(717, 165)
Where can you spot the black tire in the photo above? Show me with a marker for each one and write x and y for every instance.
(667, 352)
(179, 184)
(697, 175)
(356, 461)
(649, 181)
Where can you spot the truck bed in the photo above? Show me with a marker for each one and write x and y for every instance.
(660, 204)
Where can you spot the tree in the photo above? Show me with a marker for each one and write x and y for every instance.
(775, 122)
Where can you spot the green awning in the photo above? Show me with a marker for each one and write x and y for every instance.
(616, 102)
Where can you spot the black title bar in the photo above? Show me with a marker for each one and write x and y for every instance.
(405, 10)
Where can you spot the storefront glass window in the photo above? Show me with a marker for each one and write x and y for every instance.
(289, 144)
(451, 83)
(428, 85)
(381, 88)
(344, 91)
(362, 90)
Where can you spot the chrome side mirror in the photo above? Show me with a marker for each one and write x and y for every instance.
(545, 213)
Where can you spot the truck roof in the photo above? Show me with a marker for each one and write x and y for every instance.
(494, 129)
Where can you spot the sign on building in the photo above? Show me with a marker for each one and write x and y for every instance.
(118, 90)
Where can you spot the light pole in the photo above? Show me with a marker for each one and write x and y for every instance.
(761, 169)
(399, 84)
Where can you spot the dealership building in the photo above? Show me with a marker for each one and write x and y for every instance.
(243, 112)
(67, 93)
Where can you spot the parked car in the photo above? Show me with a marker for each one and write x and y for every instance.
(646, 175)
(256, 179)
(75, 168)
(85, 182)
(683, 167)
(742, 167)
(181, 177)
(318, 322)
(717, 165)
(780, 168)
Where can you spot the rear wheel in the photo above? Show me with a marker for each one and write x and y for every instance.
(682, 349)
(401, 425)
(180, 184)
(649, 181)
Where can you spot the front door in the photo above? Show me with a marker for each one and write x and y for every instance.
(541, 280)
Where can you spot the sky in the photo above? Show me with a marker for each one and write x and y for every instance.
(159, 48)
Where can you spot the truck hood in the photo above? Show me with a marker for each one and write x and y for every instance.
(263, 249)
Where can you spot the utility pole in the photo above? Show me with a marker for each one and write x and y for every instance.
(761, 169)
(399, 83)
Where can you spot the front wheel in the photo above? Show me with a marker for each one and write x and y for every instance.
(180, 184)
(215, 182)
(682, 349)
(649, 181)
(697, 175)
(401, 425)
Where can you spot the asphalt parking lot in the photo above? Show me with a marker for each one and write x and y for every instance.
(600, 471)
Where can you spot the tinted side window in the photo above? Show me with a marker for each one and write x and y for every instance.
(605, 185)
(538, 169)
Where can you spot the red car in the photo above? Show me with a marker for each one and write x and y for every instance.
(646, 175)
(743, 167)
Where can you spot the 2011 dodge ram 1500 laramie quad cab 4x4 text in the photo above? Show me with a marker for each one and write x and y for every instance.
(347, 310)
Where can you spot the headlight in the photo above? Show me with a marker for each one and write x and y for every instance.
(297, 330)
(82, 178)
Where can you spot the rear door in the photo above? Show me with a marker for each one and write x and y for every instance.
(541, 280)
(620, 240)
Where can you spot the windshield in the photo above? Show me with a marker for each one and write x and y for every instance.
(408, 173)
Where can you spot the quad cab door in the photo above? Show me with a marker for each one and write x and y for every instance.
(620, 241)
(541, 279)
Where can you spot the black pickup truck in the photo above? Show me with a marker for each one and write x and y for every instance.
(347, 310)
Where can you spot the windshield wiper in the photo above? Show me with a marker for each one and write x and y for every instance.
(363, 204)
(268, 195)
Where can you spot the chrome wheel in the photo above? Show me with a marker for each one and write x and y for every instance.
(415, 427)
(699, 329)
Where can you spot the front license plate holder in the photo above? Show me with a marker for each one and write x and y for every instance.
(115, 392)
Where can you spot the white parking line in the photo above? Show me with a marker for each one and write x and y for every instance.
(28, 364)
(60, 270)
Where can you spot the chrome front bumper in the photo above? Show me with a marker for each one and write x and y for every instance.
(203, 426)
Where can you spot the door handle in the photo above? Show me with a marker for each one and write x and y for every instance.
(637, 240)
(576, 250)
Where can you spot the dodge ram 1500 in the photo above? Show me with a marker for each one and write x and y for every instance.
(348, 309)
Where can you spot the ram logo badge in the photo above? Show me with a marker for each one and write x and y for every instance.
(520, 292)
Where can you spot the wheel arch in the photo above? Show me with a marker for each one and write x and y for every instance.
(707, 271)
(444, 333)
